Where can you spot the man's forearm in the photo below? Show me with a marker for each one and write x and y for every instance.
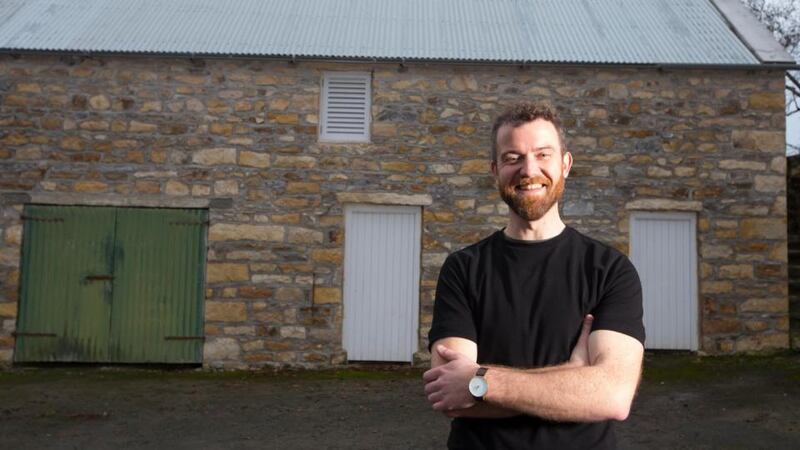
(579, 394)
(602, 390)
(490, 411)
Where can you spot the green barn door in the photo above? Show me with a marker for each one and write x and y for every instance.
(65, 301)
(118, 285)
(158, 286)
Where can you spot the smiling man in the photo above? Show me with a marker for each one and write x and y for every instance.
(537, 335)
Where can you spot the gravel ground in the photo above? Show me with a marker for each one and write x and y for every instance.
(684, 402)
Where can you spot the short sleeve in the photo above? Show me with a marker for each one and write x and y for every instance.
(620, 305)
(452, 315)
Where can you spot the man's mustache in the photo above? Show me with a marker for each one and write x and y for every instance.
(535, 180)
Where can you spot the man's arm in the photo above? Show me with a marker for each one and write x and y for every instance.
(602, 390)
(460, 346)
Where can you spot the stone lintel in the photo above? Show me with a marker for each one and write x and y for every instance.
(49, 198)
(385, 198)
(659, 204)
(12, 198)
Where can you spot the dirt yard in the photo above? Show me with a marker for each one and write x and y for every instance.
(684, 402)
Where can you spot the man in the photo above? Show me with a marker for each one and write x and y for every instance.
(537, 335)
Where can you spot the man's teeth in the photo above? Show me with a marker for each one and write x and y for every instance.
(530, 187)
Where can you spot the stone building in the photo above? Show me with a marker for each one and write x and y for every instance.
(322, 166)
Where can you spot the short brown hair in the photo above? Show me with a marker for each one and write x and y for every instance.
(525, 112)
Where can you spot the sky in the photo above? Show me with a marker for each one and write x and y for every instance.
(793, 131)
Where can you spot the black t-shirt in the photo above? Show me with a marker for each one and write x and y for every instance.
(523, 304)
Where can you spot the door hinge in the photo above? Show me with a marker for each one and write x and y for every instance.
(22, 333)
(189, 223)
(41, 219)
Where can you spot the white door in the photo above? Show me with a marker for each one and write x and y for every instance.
(381, 282)
(664, 251)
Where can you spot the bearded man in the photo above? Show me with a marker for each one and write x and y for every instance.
(537, 335)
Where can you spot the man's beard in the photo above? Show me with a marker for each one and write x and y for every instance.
(532, 208)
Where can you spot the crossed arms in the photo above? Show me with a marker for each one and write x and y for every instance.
(597, 383)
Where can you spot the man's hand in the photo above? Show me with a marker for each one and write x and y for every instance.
(447, 386)
(580, 354)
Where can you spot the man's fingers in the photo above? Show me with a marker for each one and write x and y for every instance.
(431, 374)
(431, 387)
(435, 397)
(580, 354)
(587, 327)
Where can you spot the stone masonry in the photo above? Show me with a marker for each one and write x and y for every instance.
(239, 137)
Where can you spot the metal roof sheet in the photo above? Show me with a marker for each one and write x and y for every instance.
(559, 31)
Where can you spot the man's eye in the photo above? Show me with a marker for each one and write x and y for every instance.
(544, 156)
(511, 158)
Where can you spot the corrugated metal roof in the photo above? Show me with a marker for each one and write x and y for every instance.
(560, 31)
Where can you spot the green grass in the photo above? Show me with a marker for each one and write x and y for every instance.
(43, 374)
(658, 368)
(665, 367)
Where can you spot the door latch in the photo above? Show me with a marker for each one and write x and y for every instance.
(99, 277)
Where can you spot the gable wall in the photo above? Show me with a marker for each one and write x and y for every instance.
(240, 137)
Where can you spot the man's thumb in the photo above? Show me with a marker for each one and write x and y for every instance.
(446, 353)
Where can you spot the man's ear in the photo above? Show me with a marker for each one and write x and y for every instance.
(493, 167)
(566, 162)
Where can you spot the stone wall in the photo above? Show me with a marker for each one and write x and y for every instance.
(240, 137)
(793, 210)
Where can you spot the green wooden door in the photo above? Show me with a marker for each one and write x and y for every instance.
(118, 285)
(158, 286)
(65, 301)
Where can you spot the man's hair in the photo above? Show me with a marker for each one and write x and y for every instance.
(525, 112)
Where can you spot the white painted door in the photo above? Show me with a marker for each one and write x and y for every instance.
(381, 282)
(664, 251)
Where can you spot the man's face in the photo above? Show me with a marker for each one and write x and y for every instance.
(530, 168)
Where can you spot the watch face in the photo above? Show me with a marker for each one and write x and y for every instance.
(478, 386)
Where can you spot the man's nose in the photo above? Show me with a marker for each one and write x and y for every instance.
(530, 166)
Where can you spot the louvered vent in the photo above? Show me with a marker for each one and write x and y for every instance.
(345, 107)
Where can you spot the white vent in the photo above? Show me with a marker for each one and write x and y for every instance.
(345, 107)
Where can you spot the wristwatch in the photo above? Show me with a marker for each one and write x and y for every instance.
(478, 385)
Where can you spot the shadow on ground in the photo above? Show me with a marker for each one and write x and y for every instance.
(685, 401)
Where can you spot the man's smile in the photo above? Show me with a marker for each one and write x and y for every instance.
(530, 187)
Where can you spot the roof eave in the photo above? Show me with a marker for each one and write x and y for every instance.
(403, 60)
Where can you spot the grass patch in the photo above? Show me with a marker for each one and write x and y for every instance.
(665, 367)
(354, 374)
(88, 373)
(659, 367)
